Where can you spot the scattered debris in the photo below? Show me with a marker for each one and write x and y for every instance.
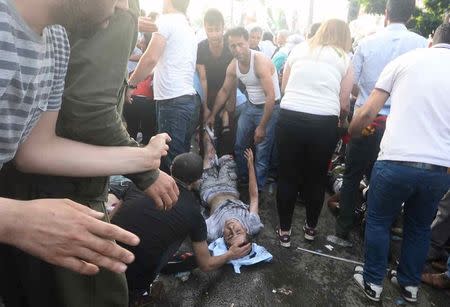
(329, 247)
(320, 253)
(283, 291)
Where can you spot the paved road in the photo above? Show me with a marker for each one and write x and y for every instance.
(313, 280)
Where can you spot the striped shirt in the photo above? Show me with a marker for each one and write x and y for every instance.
(32, 73)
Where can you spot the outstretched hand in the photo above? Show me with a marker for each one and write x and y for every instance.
(70, 235)
(248, 154)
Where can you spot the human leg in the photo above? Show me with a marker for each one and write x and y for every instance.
(245, 131)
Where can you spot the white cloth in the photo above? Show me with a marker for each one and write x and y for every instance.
(174, 73)
(418, 127)
(255, 91)
(376, 51)
(315, 80)
(268, 48)
(258, 254)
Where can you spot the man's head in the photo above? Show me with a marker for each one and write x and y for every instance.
(313, 29)
(234, 233)
(187, 168)
(267, 36)
(214, 26)
(255, 35)
(442, 34)
(83, 16)
(399, 11)
(281, 38)
(238, 41)
(175, 5)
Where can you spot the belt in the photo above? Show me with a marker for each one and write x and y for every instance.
(261, 106)
(424, 166)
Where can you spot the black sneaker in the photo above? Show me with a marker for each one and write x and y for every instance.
(409, 293)
(373, 292)
(285, 240)
(310, 233)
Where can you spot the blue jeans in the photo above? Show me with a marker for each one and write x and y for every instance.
(391, 185)
(247, 123)
(178, 118)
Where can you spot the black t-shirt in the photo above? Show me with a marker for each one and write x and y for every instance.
(216, 68)
(157, 230)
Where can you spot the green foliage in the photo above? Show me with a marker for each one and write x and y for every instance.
(424, 21)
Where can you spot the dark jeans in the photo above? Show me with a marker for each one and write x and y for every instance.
(305, 145)
(178, 117)
(249, 119)
(393, 184)
(141, 117)
(361, 155)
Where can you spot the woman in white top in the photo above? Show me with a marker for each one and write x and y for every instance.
(317, 82)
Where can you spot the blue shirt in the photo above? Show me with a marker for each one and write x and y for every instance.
(376, 51)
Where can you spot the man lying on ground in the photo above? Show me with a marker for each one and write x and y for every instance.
(229, 217)
(162, 232)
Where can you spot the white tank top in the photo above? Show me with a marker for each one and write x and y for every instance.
(252, 83)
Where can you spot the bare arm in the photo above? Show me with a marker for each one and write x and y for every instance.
(46, 153)
(149, 59)
(227, 88)
(207, 263)
(264, 70)
(66, 234)
(344, 95)
(203, 81)
(252, 184)
(365, 115)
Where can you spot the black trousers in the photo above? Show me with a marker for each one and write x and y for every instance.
(141, 117)
(306, 143)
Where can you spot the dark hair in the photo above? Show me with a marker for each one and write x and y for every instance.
(256, 29)
(180, 5)
(214, 17)
(248, 239)
(313, 29)
(187, 167)
(237, 32)
(267, 36)
(153, 15)
(442, 34)
(400, 10)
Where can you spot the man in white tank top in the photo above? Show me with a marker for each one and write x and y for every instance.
(257, 122)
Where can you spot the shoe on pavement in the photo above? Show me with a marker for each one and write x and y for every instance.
(339, 241)
(310, 233)
(409, 293)
(372, 291)
(285, 240)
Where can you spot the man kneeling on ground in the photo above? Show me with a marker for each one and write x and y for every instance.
(162, 232)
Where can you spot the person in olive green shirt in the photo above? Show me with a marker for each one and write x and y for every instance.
(90, 113)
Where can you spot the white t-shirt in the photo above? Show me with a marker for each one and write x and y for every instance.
(174, 73)
(418, 127)
(315, 80)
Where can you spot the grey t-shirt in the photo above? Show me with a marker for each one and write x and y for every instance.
(232, 209)
(32, 73)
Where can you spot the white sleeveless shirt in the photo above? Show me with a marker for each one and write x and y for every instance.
(255, 90)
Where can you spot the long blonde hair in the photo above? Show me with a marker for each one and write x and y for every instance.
(333, 33)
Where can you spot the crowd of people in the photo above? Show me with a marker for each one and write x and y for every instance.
(91, 89)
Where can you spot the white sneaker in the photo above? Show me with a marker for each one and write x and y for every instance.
(372, 291)
(409, 293)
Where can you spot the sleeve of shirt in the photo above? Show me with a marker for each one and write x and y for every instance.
(164, 27)
(388, 76)
(198, 231)
(255, 224)
(357, 61)
(61, 51)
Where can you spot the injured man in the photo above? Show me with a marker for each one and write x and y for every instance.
(229, 217)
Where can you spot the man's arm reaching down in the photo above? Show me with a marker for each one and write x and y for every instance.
(365, 115)
(207, 263)
(252, 184)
